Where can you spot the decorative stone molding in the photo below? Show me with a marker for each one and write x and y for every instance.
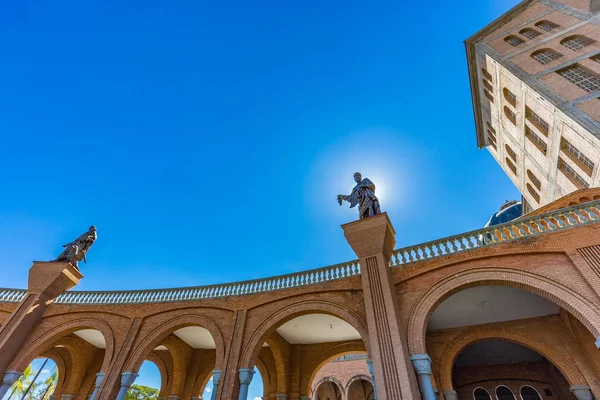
(582, 392)
(245, 375)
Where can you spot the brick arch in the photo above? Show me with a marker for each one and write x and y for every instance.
(360, 377)
(333, 380)
(79, 356)
(47, 340)
(281, 362)
(585, 311)
(265, 376)
(153, 339)
(178, 355)
(61, 366)
(269, 325)
(331, 353)
(163, 370)
(453, 349)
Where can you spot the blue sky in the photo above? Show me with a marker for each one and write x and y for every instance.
(207, 141)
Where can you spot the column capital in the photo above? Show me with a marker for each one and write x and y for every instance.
(370, 366)
(450, 395)
(216, 376)
(11, 377)
(127, 378)
(582, 392)
(245, 375)
(99, 378)
(422, 363)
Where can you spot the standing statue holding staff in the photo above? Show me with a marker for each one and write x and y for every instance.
(76, 250)
(363, 194)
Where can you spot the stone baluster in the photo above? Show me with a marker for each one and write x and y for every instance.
(422, 364)
(372, 373)
(582, 392)
(10, 377)
(127, 379)
(99, 379)
(216, 382)
(245, 375)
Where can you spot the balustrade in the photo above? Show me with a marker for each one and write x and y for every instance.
(555, 220)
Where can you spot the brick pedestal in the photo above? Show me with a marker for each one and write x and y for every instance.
(47, 281)
(372, 239)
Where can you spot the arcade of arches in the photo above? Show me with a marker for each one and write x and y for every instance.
(515, 316)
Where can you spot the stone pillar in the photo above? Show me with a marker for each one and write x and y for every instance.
(450, 395)
(99, 379)
(422, 364)
(372, 239)
(372, 373)
(10, 377)
(127, 379)
(47, 281)
(246, 375)
(216, 381)
(582, 392)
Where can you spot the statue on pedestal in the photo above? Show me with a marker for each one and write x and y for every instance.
(76, 250)
(363, 194)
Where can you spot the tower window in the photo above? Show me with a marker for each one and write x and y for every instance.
(537, 121)
(536, 182)
(546, 25)
(510, 97)
(572, 175)
(582, 77)
(488, 85)
(596, 58)
(511, 165)
(577, 156)
(486, 74)
(510, 115)
(544, 56)
(536, 140)
(488, 95)
(529, 33)
(536, 197)
(510, 152)
(514, 40)
(576, 42)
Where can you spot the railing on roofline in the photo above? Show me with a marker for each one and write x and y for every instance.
(555, 220)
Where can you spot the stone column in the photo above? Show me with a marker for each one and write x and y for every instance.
(99, 379)
(422, 364)
(582, 392)
(372, 239)
(450, 395)
(245, 375)
(127, 379)
(47, 281)
(216, 381)
(372, 373)
(10, 377)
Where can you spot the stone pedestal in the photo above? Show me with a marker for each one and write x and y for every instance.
(47, 281)
(373, 241)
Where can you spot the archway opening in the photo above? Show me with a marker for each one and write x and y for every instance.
(505, 370)
(328, 390)
(38, 381)
(360, 389)
(179, 363)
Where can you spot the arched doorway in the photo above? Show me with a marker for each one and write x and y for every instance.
(328, 389)
(360, 388)
(507, 371)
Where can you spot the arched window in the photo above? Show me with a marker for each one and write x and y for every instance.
(544, 56)
(529, 393)
(582, 77)
(510, 97)
(504, 393)
(534, 179)
(513, 40)
(546, 25)
(481, 394)
(510, 115)
(533, 193)
(486, 74)
(488, 85)
(510, 152)
(511, 165)
(529, 33)
(576, 42)
(488, 95)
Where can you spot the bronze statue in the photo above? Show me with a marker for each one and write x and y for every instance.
(76, 250)
(363, 194)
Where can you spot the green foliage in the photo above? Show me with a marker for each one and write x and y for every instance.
(139, 392)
